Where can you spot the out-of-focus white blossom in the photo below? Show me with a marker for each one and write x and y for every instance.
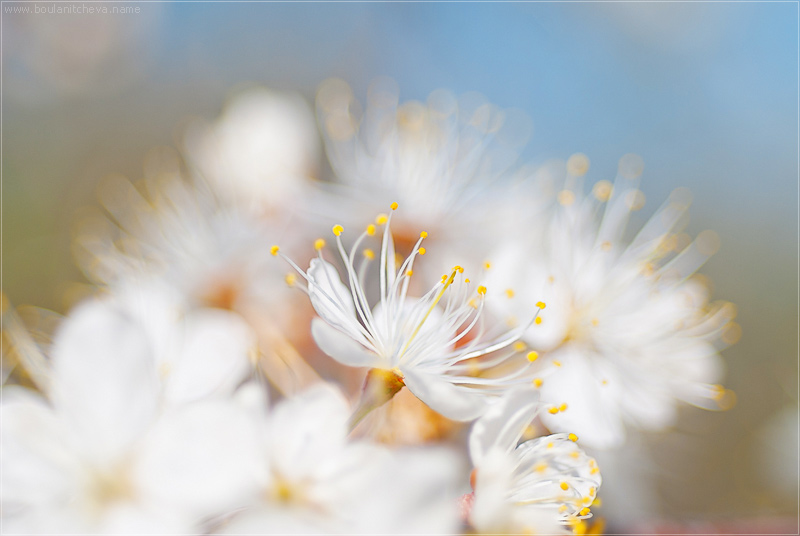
(441, 160)
(627, 332)
(312, 480)
(261, 152)
(542, 486)
(430, 344)
(107, 452)
(180, 235)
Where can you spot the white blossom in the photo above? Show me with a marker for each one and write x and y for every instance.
(627, 332)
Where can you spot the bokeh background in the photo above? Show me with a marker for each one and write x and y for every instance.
(706, 93)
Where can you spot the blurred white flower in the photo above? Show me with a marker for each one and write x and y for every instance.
(542, 486)
(313, 480)
(182, 236)
(440, 160)
(107, 453)
(261, 152)
(628, 333)
(430, 344)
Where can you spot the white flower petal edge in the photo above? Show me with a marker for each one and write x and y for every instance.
(412, 338)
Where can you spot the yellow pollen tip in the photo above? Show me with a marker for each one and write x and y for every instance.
(519, 346)
(319, 243)
(370, 229)
(562, 508)
(574, 454)
(290, 279)
(585, 511)
(368, 253)
(538, 320)
(564, 486)
(540, 467)
(487, 265)
(409, 273)
(537, 382)
(510, 293)
(444, 278)
(562, 407)
(595, 322)
(274, 250)
(594, 471)
(551, 445)
(423, 234)
(337, 229)
(572, 437)
(380, 219)
(557, 363)
(541, 305)
(533, 356)
(422, 251)
(481, 290)
(394, 206)
(466, 280)
(553, 410)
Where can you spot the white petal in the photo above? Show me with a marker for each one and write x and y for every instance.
(342, 347)
(211, 356)
(456, 403)
(332, 299)
(593, 411)
(37, 464)
(105, 381)
(307, 430)
(503, 423)
(490, 511)
(199, 459)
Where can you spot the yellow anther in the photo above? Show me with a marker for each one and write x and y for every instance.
(538, 320)
(290, 279)
(564, 486)
(394, 206)
(557, 363)
(604, 382)
(594, 471)
(585, 511)
(602, 190)
(370, 229)
(472, 303)
(595, 322)
(458, 268)
(481, 290)
(575, 454)
(520, 346)
(319, 243)
(533, 356)
(573, 438)
(368, 253)
(586, 500)
(565, 198)
(605, 246)
(553, 410)
(466, 280)
(337, 229)
(540, 467)
(537, 382)
(562, 407)
(598, 502)
(541, 304)
(409, 273)
(551, 279)
(510, 293)
(444, 278)
(422, 251)
(423, 234)
(562, 508)
(380, 219)
(274, 250)
(551, 445)
(487, 265)
(592, 490)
